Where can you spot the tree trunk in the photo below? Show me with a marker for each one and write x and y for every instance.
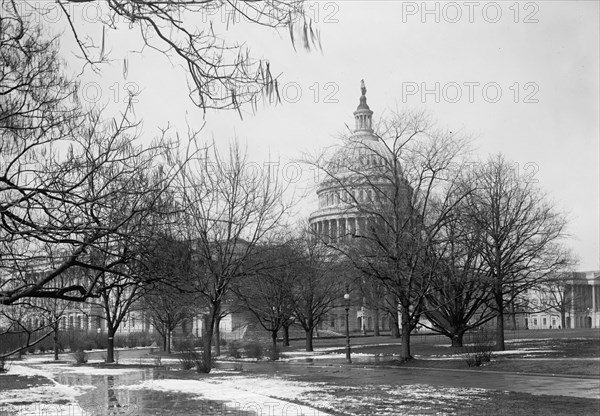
(457, 339)
(55, 338)
(500, 329)
(217, 335)
(274, 353)
(513, 315)
(376, 323)
(395, 330)
(563, 318)
(207, 353)
(286, 335)
(309, 340)
(209, 325)
(405, 346)
(168, 346)
(110, 347)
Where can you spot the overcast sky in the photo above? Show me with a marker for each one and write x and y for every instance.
(521, 78)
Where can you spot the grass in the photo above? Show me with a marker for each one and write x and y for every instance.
(17, 382)
(553, 352)
(372, 401)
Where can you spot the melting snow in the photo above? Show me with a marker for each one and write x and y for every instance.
(261, 395)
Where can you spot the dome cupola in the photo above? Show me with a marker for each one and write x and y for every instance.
(363, 115)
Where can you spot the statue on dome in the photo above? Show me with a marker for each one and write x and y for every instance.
(363, 89)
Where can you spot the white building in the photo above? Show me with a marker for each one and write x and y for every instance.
(577, 295)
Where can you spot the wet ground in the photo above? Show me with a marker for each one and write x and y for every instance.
(106, 389)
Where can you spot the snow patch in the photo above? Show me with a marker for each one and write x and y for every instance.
(260, 395)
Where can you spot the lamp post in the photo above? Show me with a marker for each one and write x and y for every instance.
(587, 318)
(347, 299)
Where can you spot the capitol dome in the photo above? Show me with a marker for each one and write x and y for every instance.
(355, 176)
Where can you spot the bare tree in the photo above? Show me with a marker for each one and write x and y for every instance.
(222, 74)
(460, 289)
(168, 300)
(519, 233)
(318, 283)
(375, 297)
(21, 328)
(228, 211)
(394, 187)
(62, 166)
(267, 294)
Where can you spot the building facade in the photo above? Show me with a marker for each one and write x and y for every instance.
(570, 301)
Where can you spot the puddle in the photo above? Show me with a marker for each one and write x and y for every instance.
(107, 394)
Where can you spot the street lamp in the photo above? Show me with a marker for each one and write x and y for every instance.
(347, 299)
(587, 318)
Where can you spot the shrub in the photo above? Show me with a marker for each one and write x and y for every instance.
(187, 354)
(200, 367)
(186, 344)
(4, 365)
(189, 359)
(80, 356)
(10, 341)
(253, 349)
(238, 367)
(47, 344)
(480, 351)
(120, 341)
(235, 349)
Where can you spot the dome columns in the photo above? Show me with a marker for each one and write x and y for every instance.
(338, 229)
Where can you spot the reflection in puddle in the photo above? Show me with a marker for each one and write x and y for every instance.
(111, 397)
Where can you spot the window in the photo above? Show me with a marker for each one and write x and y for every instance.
(544, 321)
(534, 321)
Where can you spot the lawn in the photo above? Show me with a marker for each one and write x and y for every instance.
(558, 352)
